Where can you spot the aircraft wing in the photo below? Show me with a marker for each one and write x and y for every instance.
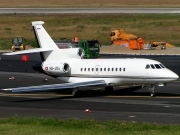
(44, 88)
(36, 50)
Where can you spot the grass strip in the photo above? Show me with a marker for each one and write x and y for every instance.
(89, 3)
(51, 126)
(151, 27)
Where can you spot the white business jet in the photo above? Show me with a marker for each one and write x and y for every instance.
(68, 65)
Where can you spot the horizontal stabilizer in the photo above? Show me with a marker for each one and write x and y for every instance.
(36, 50)
(51, 87)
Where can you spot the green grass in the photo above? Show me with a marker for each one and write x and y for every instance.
(89, 3)
(152, 27)
(50, 126)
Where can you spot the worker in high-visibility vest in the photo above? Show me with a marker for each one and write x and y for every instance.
(76, 40)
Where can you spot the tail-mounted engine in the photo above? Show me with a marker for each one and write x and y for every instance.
(58, 67)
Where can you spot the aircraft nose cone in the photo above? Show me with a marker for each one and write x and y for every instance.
(175, 76)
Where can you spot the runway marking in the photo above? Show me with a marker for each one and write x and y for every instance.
(96, 89)
(128, 86)
(141, 97)
(64, 95)
(35, 95)
(167, 106)
(132, 116)
(177, 81)
(123, 86)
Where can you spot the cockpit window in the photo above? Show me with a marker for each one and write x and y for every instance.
(162, 65)
(147, 66)
(152, 66)
(157, 66)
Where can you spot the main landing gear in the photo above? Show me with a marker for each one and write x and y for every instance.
(108, 90)
(152, 90)
(76, 92)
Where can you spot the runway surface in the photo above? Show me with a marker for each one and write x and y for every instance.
(129, 104)
(87, 10)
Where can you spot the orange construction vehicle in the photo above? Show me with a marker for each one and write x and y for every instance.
(161, 45)
(120, 37)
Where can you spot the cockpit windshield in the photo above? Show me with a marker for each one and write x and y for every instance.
(93, 44)
(157, 66)
(162, 65)
(154, 66)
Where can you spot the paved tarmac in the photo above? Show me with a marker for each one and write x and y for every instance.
(88, 10)
(129, 104)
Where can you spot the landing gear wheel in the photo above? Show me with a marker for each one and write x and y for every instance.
(109, 90)
(152, 95)
(76, 92)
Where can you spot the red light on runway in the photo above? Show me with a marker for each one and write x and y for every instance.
(24, 58)
(87, 110)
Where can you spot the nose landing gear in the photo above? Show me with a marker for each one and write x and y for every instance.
(151, 89)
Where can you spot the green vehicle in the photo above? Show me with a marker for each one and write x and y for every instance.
(91, 47)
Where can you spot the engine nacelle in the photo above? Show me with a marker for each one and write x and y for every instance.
(74, 53)
(56, 67)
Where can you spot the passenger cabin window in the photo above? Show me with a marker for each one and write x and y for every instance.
(92, 69)
(124, 69)
(116, 69)
(81, 69)
(112, 69)
(104, 69)
(100, 69)
(84, 69)
(96, 69)
(119, 69)
(88, 69)
(108, 69)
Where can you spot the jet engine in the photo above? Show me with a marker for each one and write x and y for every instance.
(75, 53)
(81, 52)
(57, 67)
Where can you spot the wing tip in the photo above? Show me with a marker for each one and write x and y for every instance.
(7, 89)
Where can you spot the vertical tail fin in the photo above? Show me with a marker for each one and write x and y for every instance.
(43, 39)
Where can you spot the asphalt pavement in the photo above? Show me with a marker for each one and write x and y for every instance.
(127, 104)
(88, 10)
